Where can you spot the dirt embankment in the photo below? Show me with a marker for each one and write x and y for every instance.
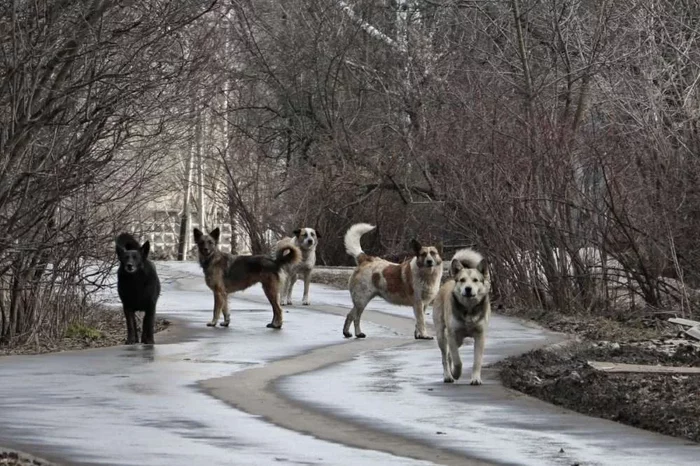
(664, 403)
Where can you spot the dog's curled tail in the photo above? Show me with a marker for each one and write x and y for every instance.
(469, 259)
(288, 254)
(352, 238)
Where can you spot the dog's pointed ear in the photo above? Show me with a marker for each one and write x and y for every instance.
(296, 232)
(120, 250)
(455, 267)
(145, 249)
(215, 234)
(318, 235)
(416, 246)
(483, 268)
(440, 248)
(197, 235)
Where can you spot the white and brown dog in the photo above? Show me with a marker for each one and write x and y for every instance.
(462, 309)
(306, 239)
(414, 282)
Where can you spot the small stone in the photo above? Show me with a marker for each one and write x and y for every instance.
(440, 433)
(561, 450)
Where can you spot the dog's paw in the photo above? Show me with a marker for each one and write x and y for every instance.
(306, 302)
(347, 334)
(448, 380)
(225, 323)
(274, 325)
(211, 324)
(360, 335)
(419, 336)
(475, 381)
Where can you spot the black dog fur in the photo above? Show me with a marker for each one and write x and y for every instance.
(138, 286)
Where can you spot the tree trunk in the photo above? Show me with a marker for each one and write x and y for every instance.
(183, 241)
(201, 128)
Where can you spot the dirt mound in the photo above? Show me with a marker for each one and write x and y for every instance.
(663, 403)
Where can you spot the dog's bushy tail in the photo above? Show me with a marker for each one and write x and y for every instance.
(352, 238)
(470, 259)
(288, 254)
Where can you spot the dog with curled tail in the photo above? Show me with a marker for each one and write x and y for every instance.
(462, 309)
(414, 282)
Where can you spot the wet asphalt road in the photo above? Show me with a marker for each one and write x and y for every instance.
(145, 405)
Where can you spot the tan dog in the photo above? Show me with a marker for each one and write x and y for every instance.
(306, 240)
(225, 273)
(414, 282)
(462, 309)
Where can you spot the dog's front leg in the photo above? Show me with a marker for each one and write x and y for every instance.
(218, 303)
(307, 282)
(284, 294)
(418, 311)
(479, 341)
(456, 368)
(446, 360)
(227, 314)
(148, 329)
(291, 280)
(131, 331)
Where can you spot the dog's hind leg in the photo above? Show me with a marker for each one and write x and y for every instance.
(349, 319)
(419, 312)
(307, 282)
(148, 329)
(271, 289)
(131, 329)
(479, 341)
(354, 316)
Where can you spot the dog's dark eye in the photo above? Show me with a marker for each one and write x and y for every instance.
(462, 280)
(475, 280)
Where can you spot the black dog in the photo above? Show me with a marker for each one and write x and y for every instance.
(138, 287)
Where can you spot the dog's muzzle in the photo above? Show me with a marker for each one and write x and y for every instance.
(429, 263)
(308, 242)
(130, 268)
(467, 292)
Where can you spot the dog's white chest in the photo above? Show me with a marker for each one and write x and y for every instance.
(465, 327)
